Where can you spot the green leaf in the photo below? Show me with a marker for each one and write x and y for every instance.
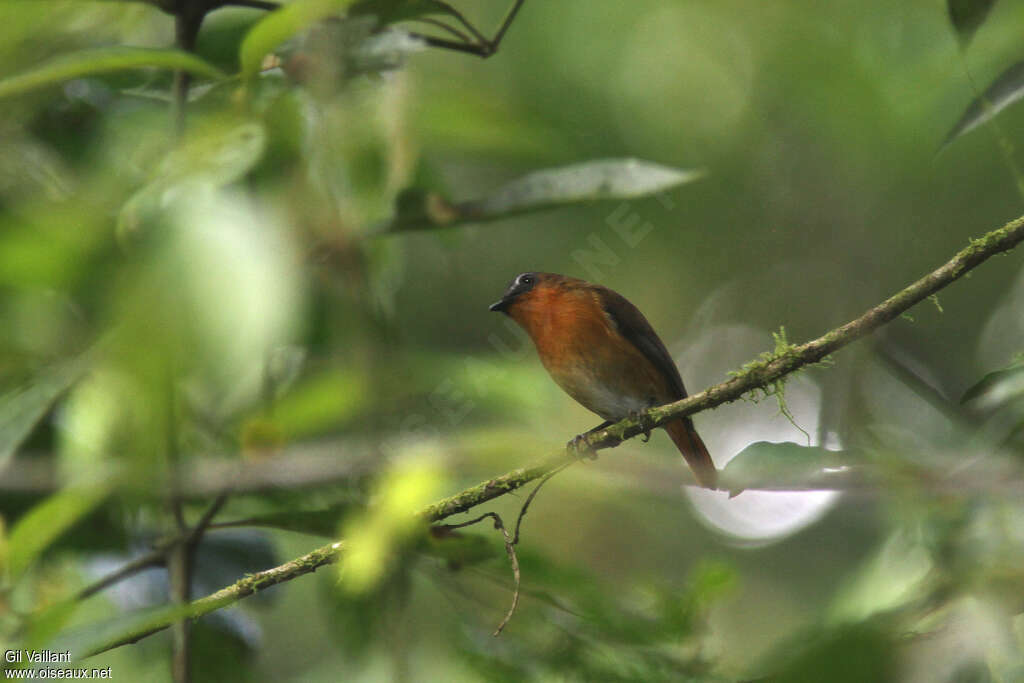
(893, 577)
(998, 386)
(850, 654)
(967, 16)
(281, 25)
(577, 184)
(217, 156)
(104, 60)
(22, 408)
(320, 402)
(45, 522)
(1006, 89)
(586, 182)
(778, 465)
(88, 639)
(45, 622)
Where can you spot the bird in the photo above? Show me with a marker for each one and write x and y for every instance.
(600, 349)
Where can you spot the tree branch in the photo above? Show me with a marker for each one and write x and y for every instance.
(202, 476)
(251, 4)
(154, 558)
(242, 588)
(481, 46)
(188, 17)
(510, 550)
(758, 374)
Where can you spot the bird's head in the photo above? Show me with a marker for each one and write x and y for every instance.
(523, 287)
(531, 294)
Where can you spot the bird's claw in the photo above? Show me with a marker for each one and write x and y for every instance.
(645, 424)
(581, 448)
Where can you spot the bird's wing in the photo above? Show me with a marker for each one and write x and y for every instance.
(632, 325)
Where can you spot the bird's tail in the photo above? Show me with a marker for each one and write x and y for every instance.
(689, 443)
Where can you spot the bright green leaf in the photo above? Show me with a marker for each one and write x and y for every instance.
(48, 621)
(104, 60)
(214, 157)
(281, 25)
(778, 465)
(374, 539)
(1006, 89)
(998, 386)
(22, 408)
(890, 579)
(45, 522)
(320, 402)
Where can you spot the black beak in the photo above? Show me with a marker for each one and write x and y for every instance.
(501, 305)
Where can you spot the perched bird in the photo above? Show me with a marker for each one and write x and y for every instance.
(602, 351)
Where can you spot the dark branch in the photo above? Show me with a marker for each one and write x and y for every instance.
(445, 27)
(188, 18)
(155, 558)
(253, 4)
(481, 46)
(533, 494)
(509, 18)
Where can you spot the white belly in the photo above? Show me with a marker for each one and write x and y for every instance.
(595, 397)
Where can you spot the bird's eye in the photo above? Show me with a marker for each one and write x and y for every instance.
(526, 280)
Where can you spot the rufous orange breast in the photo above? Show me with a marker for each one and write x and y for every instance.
(601, 350)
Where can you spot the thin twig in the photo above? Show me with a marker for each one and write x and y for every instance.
(533, 494)
(253, 4)
(480, 38)
(178, 556)
(188, 18)
(187, 22)
(893, 361)
(179, 574)
(511, 542)
(180, 565)
(154, 558)
(514, 559)
(510, 549)
(509, 18)
(481, 46)
(444, 43)
(196, 534)
(445, 27)
(157, 557)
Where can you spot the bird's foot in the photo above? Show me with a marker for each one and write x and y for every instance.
(581, 448)
(645, 423)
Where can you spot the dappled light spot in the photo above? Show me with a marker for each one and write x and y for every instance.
(754, 516)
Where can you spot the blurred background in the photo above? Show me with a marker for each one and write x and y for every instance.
(232, 309)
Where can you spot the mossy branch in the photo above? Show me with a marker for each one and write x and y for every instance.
(759, 374)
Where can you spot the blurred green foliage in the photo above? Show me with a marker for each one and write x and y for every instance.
(232, 295)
